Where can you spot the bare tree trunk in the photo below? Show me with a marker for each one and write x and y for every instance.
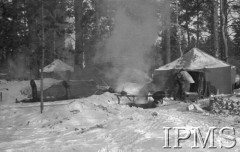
(224, 22)
(198, 32)
(33, 42)
(43, 56)
(179, 33)
(188, 34)
(52, 57)
(79, 52)
(215, 28)
(168, 27)
(54, 39)
(97, 6)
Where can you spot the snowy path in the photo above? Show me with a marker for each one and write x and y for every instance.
(96, 124)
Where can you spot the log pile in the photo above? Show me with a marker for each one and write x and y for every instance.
(224, 106)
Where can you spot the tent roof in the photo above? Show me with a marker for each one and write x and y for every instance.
(195, 59)
(57, 66)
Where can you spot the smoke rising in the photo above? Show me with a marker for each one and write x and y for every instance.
(128, 48)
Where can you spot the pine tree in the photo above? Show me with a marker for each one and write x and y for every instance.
(79, 52)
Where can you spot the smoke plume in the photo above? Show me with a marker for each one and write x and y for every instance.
(128, 48)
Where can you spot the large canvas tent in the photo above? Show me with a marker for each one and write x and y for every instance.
(57, 66)
(218, 75)
(58, 69)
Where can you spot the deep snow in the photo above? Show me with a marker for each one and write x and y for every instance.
(96, 123)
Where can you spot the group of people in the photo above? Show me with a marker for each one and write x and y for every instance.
(182, 81)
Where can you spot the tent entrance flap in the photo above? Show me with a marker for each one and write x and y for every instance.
(199, 84)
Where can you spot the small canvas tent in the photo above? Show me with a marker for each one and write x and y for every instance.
(58, 69)
(218, 75)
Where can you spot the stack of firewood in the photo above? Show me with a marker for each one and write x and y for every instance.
(225, 106)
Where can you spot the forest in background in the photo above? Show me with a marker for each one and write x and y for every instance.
(82, 32)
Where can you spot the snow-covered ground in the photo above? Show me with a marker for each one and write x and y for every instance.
(96, 123)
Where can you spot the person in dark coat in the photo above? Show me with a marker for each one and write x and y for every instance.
(179, 86)
(182, 83)
(66, 86)
(34, 90)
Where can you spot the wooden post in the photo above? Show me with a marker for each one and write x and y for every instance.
(43, 55)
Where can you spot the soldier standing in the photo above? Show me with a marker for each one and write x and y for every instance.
(182, 80)
(179, 86)
(66, 86)
(34, 90)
